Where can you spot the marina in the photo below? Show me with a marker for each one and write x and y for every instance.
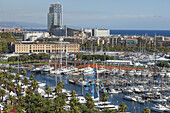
(136, 103)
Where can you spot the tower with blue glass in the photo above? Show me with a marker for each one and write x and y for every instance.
(55, 20)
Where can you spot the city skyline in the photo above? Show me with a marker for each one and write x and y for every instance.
(113, 14)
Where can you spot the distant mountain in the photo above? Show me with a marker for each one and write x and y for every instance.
(25, 25)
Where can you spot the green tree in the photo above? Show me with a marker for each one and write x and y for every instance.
(32, 77)
(2, 94)
(146, 110)
(34, 85)
(24, 72)
(11, 98)
(18, 90)
(61, 84)
(122, 107)
(10, 69)
(4, 69)
(75, 109)
(104, 97)
(48, 91)
(25, 81)
(73, 101)
(89, 101)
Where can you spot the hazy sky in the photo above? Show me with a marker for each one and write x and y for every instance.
(112, 14)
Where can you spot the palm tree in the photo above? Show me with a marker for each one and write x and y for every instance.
(75, 110)
(25, 81)
(20, 100)
(58, 90)
(110, 110)
(4, 69)
(104, 97)
(146, 110)
(24, 72)
(48, 90)
(18, 90)
(89, 101)
(10, 86)
(10, 77)
(10, 69)
(73, 100)
(61, 84)
(60, 102)
(17, 77)
(32, 77)
(2, 78)
(6, 74)
(11, 98)
(2, 93)
(73, 94)
(34, 85)
(122, 107)
(5, 83)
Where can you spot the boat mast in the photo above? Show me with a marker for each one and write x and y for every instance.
(74, 56)
(78, 56)
(61, 58)
(97, 84)
(55, 63)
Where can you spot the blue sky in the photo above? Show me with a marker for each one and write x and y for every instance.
(112, 14)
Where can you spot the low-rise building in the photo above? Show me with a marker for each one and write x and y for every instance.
(50, 47)
(100, 32)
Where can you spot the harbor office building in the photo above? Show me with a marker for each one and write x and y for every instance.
(34, 47)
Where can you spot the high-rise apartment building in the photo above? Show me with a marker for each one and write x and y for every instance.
(55, 20)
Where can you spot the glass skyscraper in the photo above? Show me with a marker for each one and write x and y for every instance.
(55, 20)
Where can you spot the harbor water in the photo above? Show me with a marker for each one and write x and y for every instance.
(116, 99)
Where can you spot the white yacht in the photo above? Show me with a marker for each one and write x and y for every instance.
(88, 71)
(126, 97)
(103, 105)
(159, 100)
(40, 84)
(138, 73)
(37, 69)
(81, 83)
(113, 91)
(125, 91)
(132, 72)
(81, 99)
(140, 100)
(101, 70)
(160, 108)
(47, 69)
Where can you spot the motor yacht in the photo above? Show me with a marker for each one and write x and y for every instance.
(159, 100)
(160, 108)
(138, 73)
(81, 83)
(140, 100)
(113, 91)
(103, 105)
(132, 72)
(131, 98)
